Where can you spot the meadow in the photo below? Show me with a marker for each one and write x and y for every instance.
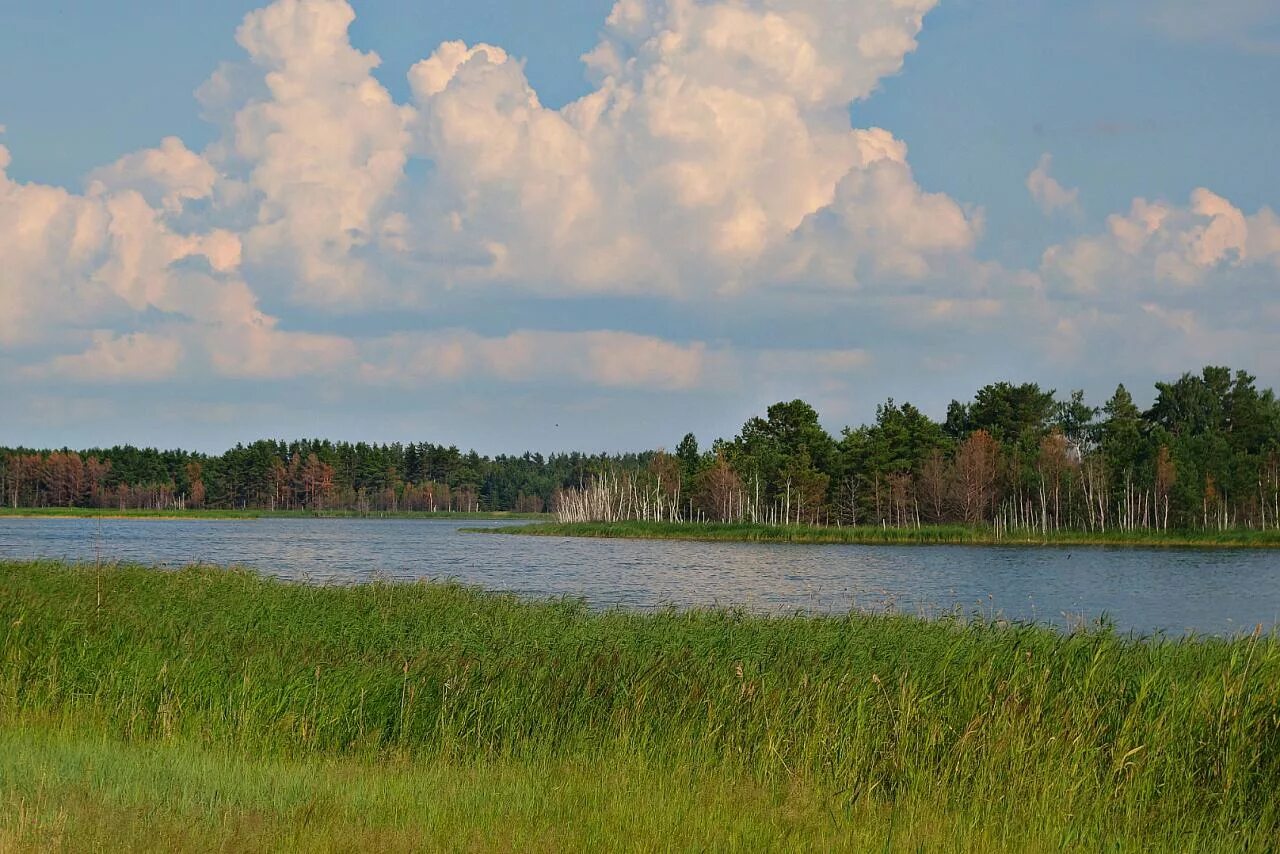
(954, 535)
(210, 708)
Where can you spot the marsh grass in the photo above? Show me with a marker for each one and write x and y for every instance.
(543, 721)
(870, 535)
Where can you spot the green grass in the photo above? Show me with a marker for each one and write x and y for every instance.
(102, 794)
(217, 709)
(866, 535)
(109, 513)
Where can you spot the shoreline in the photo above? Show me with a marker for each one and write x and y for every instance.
(253, 515)
(870, 536)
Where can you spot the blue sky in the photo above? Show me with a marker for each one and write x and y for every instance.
(485, 270)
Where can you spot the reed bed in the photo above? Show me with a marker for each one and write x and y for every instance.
(852, 729)
(871, 535)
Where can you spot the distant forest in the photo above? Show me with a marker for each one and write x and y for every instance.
(1205, 455)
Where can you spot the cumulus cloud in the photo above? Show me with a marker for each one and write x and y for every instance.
(1165, 286)
(714, 163)
(79, 259)
(716, 153)
(1050, 195)
(166, 177)
(313, 145)
(115, 254)
(666, 177)
(1160, 244)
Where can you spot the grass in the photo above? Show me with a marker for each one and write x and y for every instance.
(218, 709)
(109, 513)
(101, 794)
(867, 535)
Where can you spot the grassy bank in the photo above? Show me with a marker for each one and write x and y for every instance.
(174, 710)
(926, 535)
(109, 513)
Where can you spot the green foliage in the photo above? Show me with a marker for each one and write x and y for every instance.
(1015, 415)
(1121, 433)
(691, 463)
(788, 431)
(900, 441)
(789, 456)
(1074, 419)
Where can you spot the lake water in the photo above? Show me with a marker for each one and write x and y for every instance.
(1142, 590)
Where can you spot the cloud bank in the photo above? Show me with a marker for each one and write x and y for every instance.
(714, 163)
(714, 155)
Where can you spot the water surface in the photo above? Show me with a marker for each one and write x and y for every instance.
(1176, 591)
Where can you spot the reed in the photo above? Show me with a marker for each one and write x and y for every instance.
(950, 733)
(870, 535)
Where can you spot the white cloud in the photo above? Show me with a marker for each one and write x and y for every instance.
(1050, 195)
(313, 145)
(881, 226)
(713, 157)
(167, 176)
(668, 176)
(1165, 287)
(665, 178)
(138, 357)
(1158, 245)
(76, 261)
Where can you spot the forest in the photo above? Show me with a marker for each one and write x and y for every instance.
(1206, 455)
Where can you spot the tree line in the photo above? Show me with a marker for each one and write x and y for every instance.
(1205, 455)
(304, 475)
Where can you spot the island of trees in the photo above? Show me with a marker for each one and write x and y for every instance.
(1206, 455)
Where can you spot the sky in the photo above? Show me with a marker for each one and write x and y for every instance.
(594, 225)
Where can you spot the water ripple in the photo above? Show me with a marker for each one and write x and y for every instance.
(1142, 590)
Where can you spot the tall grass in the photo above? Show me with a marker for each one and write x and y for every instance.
(870, 535)
(1015, 732)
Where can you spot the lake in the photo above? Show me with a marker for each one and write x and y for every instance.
(1142, 590)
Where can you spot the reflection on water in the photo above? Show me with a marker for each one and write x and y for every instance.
(1145, 590)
